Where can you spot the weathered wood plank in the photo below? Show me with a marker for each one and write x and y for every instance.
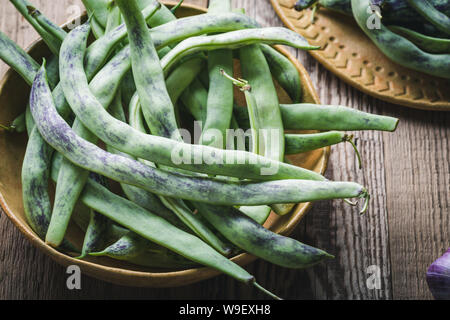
(418, 196)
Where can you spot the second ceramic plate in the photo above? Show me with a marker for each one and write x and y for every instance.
(350, 54)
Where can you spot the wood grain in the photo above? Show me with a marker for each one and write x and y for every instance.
(406, 228)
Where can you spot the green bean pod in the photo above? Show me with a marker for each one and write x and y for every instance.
(306, 116)
(18, 124)
(219, 108)
(234, 40)
(99, 50)
(156, 104)
(35, 172)
(128, 246)
(17, 58)
(399, 49)
(284, 72)
(329, 117)
(47, 24)
(95, 237)
(137, 250)
(183, 76)
(52, 42)
(266, 115)
(430, 13)
(259, 241)
(99, 8)
(298, 143)
(147, 72)
(426, 43)
(195, 98)
(149, 226)
(72, 178)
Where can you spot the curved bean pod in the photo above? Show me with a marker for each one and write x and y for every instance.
(47, 24)
(298, 143)
(95, 237)
(183, 76)
(17, 58)
(148, 73)
(426, 43)
(52, 42)
(259, 241)
(99, 8)
(234, 40)
(430, 13)
(284, 72)
(140, 251)
(399, 49)
(167, 34)
(35, 171)
(72, 178)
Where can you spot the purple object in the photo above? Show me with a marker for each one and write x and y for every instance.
(438, 277)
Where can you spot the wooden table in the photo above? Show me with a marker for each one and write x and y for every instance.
(406, 228)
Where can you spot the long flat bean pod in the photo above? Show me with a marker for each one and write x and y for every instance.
(297, 143)
(95, 237)
(219, 108)
(399, 49)
(49, 39)
(72, 178)
(35, 171)
(140, 251)
(434, 16)
(183, 76)
(99, 9)
(148, 73)
(47, 24)
(259, 241)
(255, 69)
(306, 116)
(59, 135)
(234, 40)
(17, 58)
(284, 72)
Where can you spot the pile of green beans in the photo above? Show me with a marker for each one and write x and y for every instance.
(119, 108)
(412, 33)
